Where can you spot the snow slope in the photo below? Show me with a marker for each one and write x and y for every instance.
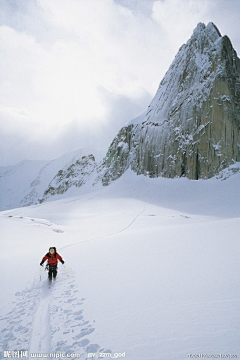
(152, 267)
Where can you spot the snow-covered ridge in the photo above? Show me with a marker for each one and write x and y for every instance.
(76, 175)
(29, 181)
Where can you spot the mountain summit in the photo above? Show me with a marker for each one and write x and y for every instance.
(191, 127)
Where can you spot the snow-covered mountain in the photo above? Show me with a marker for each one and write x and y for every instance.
(30, 181)
(191, 127)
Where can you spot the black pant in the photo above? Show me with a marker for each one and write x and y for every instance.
(52, 271)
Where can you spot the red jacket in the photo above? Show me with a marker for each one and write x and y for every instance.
(52, 258)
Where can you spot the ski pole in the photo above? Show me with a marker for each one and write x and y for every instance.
(40, 272)
(65, 269)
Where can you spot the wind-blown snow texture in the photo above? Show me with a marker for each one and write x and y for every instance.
(153, 271)
(191, 127)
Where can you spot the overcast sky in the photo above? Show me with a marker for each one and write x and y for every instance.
(73, 72)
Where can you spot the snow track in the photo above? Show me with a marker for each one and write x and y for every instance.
(42, 316)
(107, 235)
(40, 339)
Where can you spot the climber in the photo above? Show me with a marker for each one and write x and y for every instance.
(52, 256)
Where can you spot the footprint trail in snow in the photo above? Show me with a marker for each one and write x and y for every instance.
(47, 319)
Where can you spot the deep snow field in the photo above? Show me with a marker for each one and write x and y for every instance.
(152, 272)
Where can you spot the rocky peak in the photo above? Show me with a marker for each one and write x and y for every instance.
(205, 34)
(191, 127)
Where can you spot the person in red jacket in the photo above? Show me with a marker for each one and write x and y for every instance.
(52, 257)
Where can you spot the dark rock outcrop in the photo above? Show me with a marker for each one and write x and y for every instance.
(76, 175)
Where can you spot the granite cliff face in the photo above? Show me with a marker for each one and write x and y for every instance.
(191, 127)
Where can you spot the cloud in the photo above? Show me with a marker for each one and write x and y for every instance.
(178, 18)
(95, 45)
(75, 71)
(22, 139)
